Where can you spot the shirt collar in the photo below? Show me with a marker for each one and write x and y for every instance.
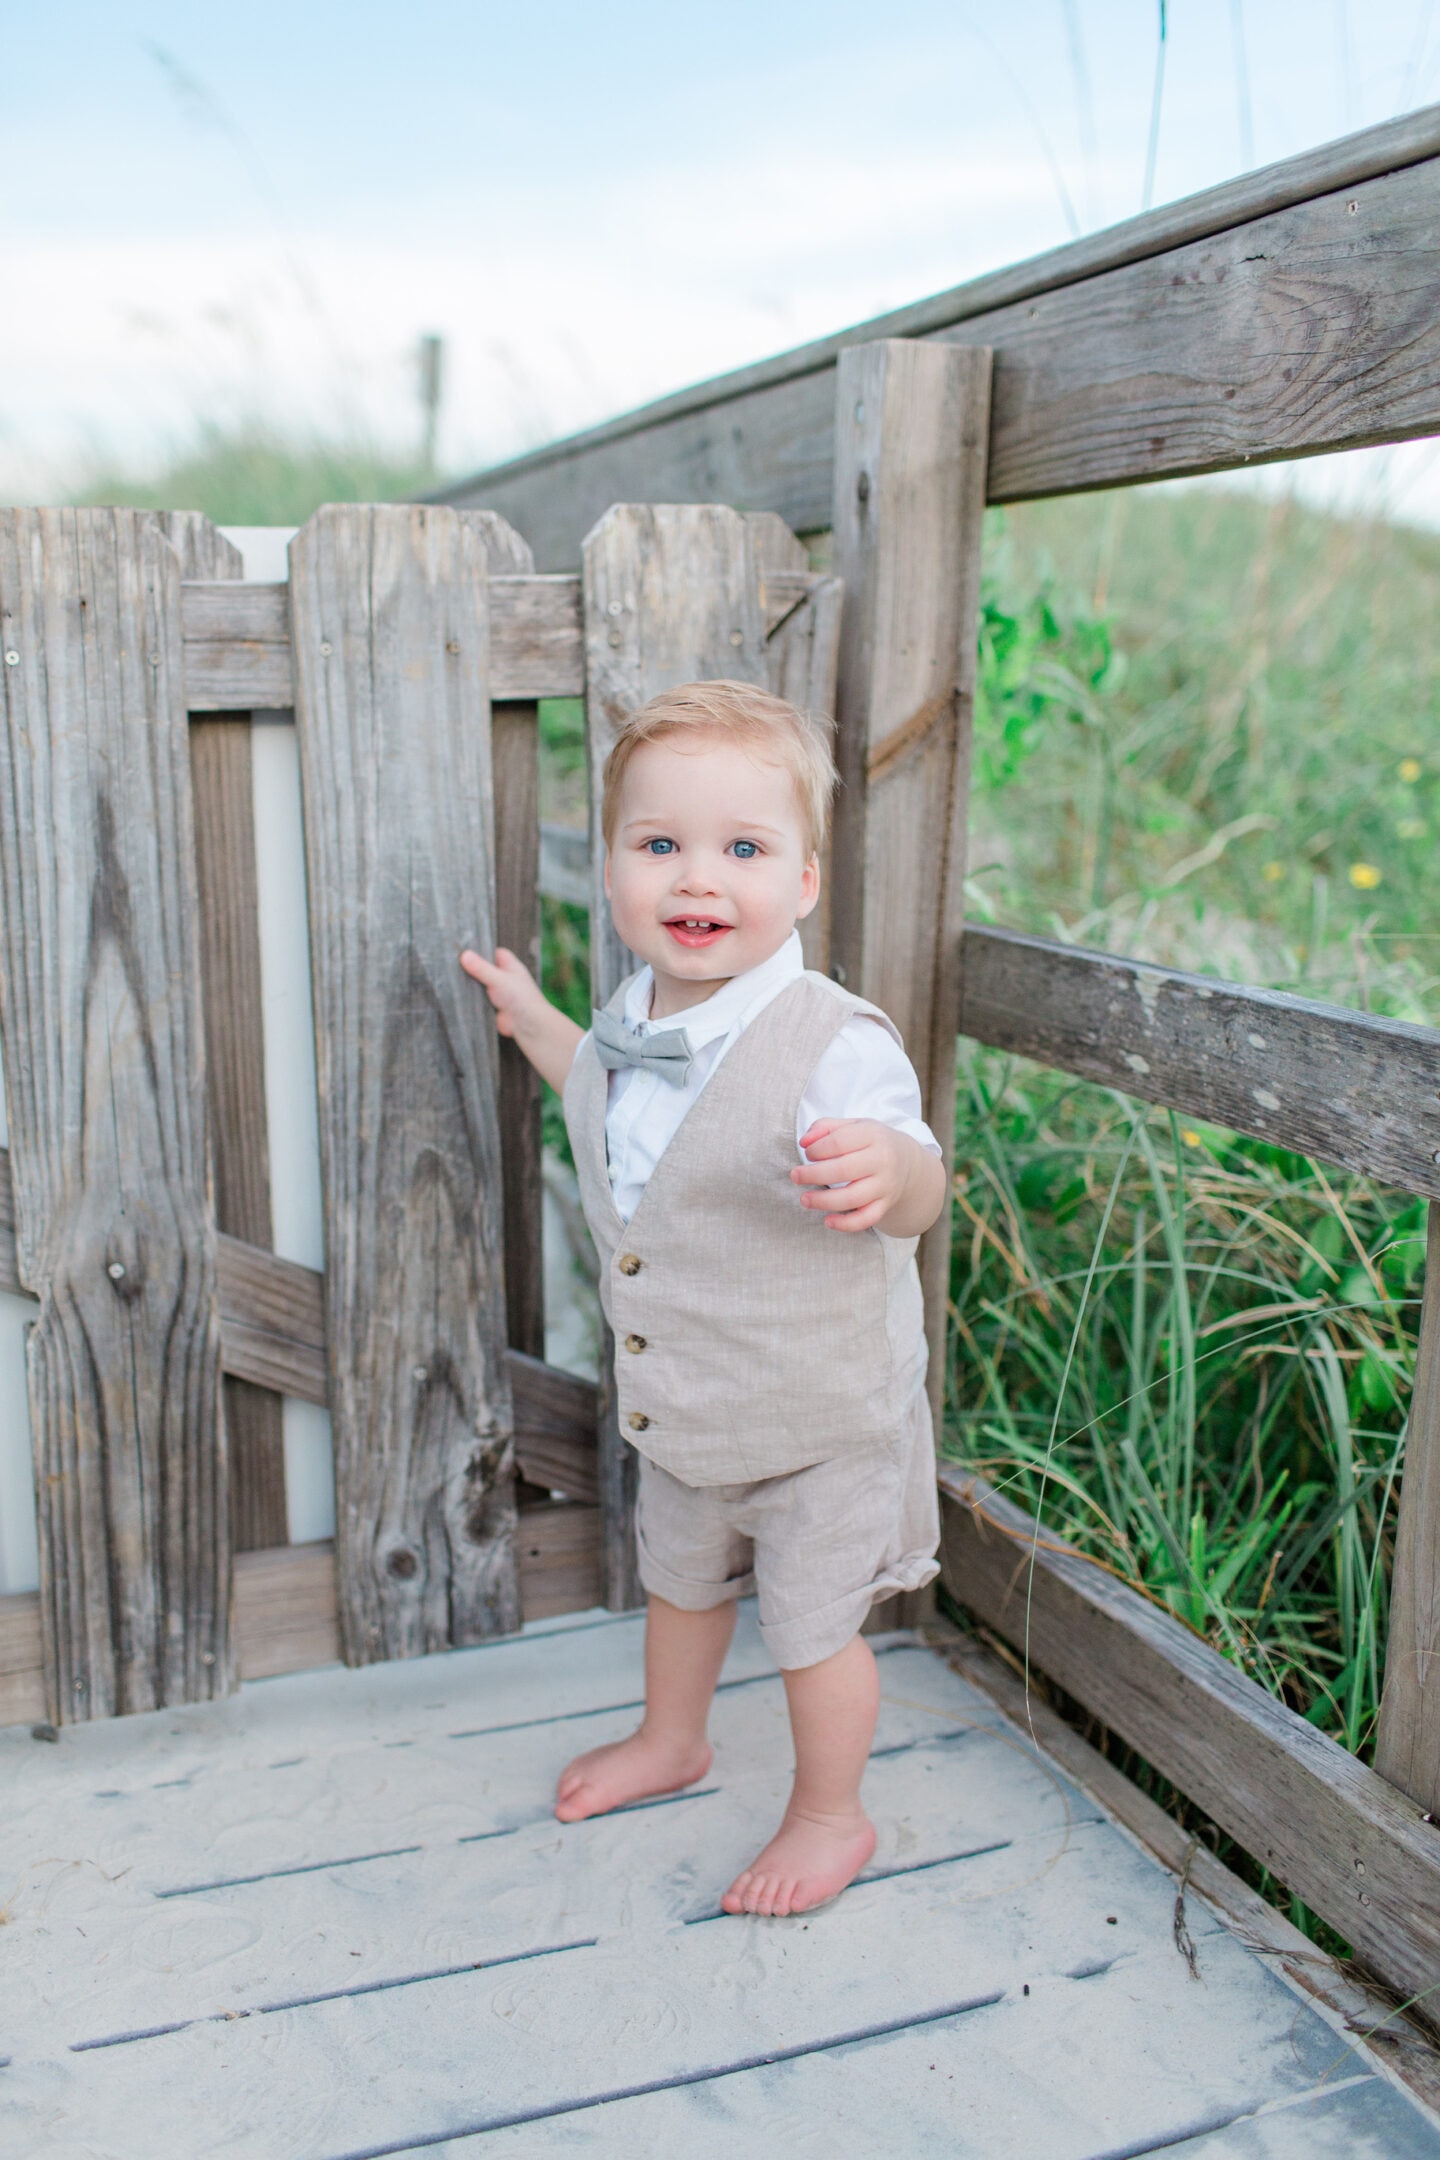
(734, 1001)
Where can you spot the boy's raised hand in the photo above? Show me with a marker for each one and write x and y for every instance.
(868, 1177)
(523, 1012)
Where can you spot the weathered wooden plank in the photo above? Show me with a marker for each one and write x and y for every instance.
(763, 437)
(221, 784)
(105, 1089)
(515, 755)
(286, 1616)
(802, 658)
(1407, 1745)
(671, 595)
(555, 1417)
(1332, 1830)
(237, 638)
(912, 425)
(1388, 2039)
(238, 655)
(1352, 1088)
(392, 704)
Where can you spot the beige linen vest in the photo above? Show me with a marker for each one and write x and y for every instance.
(750, 1340)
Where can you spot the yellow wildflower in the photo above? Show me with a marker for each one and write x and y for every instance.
(1191, 1139)
(1409, 770)
(1364, 876)
(1273, 872)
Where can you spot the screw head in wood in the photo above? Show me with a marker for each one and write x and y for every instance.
(116, 1271)
(453, 646)
(326, 648)
(615, 607)
(421, 1373)
(737, 637)
(12, 659)
(1436, 1156)
(614, 637)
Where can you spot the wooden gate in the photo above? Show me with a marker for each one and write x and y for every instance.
(412, 645)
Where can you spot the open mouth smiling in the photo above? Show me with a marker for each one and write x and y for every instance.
(696, 930)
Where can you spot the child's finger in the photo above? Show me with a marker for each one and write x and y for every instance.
(834, 1170)
(843, 1199)
(831, 1136)
(865, 1219)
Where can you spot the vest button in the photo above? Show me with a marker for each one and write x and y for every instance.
(635, 1342)
(637, 1421)
(629, 1263)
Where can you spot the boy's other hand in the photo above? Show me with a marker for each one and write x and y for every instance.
(866, 1176)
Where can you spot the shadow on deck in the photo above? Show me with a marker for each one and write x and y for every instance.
(333, 1917)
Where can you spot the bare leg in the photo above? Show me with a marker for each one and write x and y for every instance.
(684, 1652)
(826, 1837)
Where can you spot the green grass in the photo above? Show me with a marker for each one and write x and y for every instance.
(253, 474)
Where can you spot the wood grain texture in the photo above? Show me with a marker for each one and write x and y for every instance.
(802, 614)
(671, 595)
(911, 430)
(238, 656)
(1407, 1745)
(286, 1617)
(1323, 332)
(105, 1090)
(1351, 1088)
(1390, 2040)
(237, 638)
(515, 757)
(222, 786)
(393, 711)
(1330, 1829)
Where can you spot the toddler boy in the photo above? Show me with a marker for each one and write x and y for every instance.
(755, 1174)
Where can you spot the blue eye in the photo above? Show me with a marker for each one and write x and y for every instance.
(660, 847)
(745, 849)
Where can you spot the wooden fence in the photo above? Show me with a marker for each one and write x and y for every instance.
(411, 645)
(1294, 311)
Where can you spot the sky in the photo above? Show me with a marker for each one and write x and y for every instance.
(215, 214)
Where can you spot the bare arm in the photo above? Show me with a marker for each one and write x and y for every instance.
(525, 1014)
(867, 1176)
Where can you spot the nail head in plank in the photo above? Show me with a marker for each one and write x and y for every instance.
(393, 710)
(104, 1068)
(1351, 1088)
(1323, 1823)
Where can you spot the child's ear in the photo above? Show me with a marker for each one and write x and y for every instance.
(809, 888)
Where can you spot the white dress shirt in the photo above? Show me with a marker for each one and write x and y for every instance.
(864, 1073)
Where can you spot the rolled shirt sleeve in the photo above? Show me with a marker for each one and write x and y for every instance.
(865, 1074)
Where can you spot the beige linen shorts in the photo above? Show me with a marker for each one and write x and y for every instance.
(818, 1546)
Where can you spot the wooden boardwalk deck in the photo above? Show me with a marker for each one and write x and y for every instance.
(333, 1917)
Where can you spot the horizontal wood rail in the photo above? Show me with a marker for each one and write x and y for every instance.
(238, 654)
(1334, 1832)
(272, 1332)
(1349, 1087)
(1289, 312)
(285, 1615)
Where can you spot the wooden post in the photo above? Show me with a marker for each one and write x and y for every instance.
(105, 1084)
(1407, 1746)
(515, 751)
(222, 785)
(802, 655)
(912, 423)
(391, 642)
(671, 595)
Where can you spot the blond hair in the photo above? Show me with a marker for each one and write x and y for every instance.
(747, 714)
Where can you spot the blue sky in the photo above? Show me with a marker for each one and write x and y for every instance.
(211, 211)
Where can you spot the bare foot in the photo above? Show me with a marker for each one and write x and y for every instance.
(633, 1769)
(808, 1860)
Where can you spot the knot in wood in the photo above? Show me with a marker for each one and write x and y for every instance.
(403, 1562)
(125, 1261)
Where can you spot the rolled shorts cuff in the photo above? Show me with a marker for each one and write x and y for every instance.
(810, 1638)
(658, 1581)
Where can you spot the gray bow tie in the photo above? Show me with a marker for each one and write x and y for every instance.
(616, 1045)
